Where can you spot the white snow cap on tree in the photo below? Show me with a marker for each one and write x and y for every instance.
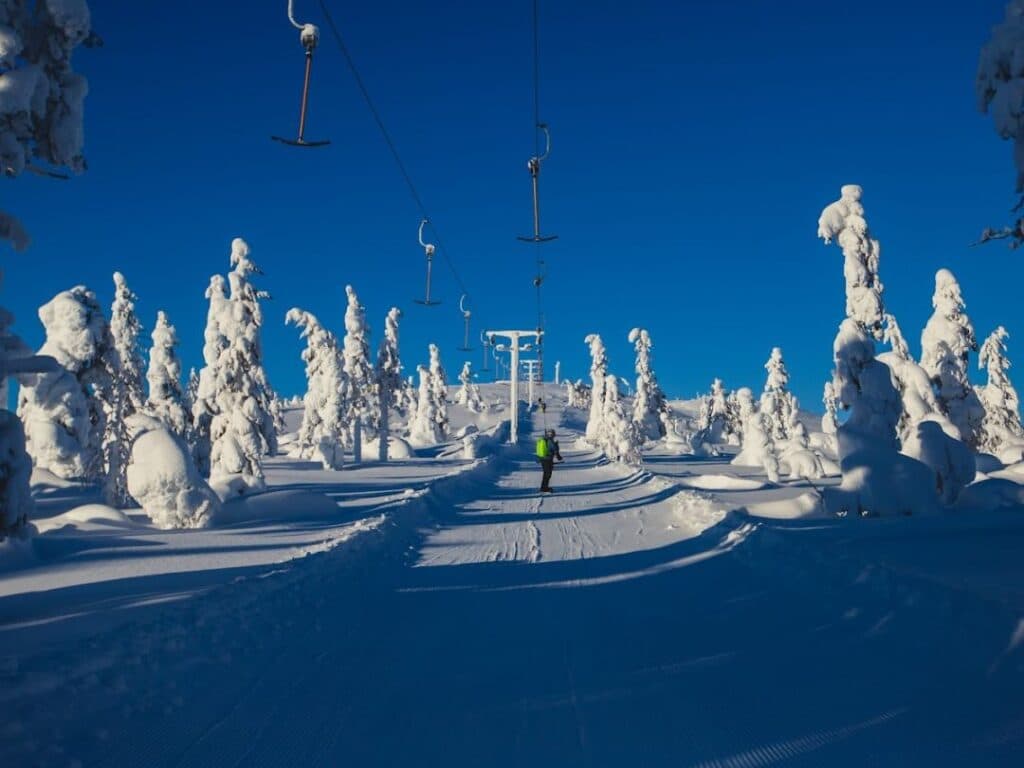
(649, 404)
(439, 389)
(946, 343)
(358, 368)
(999, 397)
(242, 429)
(778, 406)
(204, 401)
(425, 426)
(126, 330)
(830, 421)
(844, 222)
(757, 450)
(166, 400)
(876, 478)
(41, 96)
(321, 435)
(893, 336)
(1000, 82)
(598, 371)
(469, 393)
(620, 437)
(63, 422)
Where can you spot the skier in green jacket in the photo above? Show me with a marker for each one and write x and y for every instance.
(547, 452)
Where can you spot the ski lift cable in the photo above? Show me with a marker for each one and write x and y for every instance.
(538, 126)
(403, 170)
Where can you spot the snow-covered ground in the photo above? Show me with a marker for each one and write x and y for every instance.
(440, 611)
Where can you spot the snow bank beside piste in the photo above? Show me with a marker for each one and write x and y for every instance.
(722, 483)
(276, 506)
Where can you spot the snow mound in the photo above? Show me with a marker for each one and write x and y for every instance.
(723, 483)
(275, 506)
(803, 507)
(164, 480)
(989, 495)
(89, 514)
(397, 449)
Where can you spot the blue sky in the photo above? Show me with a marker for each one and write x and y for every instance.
(694, 147)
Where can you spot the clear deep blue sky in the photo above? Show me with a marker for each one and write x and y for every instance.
(695, 144)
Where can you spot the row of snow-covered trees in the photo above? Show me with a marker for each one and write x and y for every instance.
(620, 431)
(79, 415)
(347, 393)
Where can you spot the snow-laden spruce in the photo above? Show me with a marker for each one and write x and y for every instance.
(166, 400)
(999, 85)
(242, 428)
(598, 372)
(41, 96)
(359, 375)
(758, 449)
(649, 406)
(126, 331)
(577, 394)
(439, 389)
(830, 420)
(620, 436)
(713, 418)
(876, 478)
(204, 399)
(425, 425)
(63, 421)
(469, 393)
(321, 434)
(778, 406)
(1001, 426)
(946, 344)
(388, 373)
(893, 336)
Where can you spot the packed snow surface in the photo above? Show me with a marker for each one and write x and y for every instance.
(438, 610)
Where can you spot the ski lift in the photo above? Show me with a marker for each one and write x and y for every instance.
(309, 36)
(485, 342)
(465, 317)
(533, 166)
(428, 249)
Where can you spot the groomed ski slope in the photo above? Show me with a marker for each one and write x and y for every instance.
(623, 621)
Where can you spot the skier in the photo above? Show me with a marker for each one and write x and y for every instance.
(547, 452)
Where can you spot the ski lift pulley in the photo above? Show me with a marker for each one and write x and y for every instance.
(465, 318)
(309, 36)
(428, 250)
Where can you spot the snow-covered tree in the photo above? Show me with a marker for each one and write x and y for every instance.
(649, 405)
(714, 415)
(425, 426)
(42, 98)
(215, 342)
(439, 389)
(126, 331)
(876, 479)
(469, 393)
(166, 400)
(598, 371)
(758, 449)
(242, 428)
(191, 391)
(830, 421)
(620, 437)
(63, 421)
(321, 434)
(41, 118)
(999, 397)
(893, 336)
(358, 372)
(733, 430)
(577, 394)
(778, 407)
(946, 344)
(999, 84)
(388, 373)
